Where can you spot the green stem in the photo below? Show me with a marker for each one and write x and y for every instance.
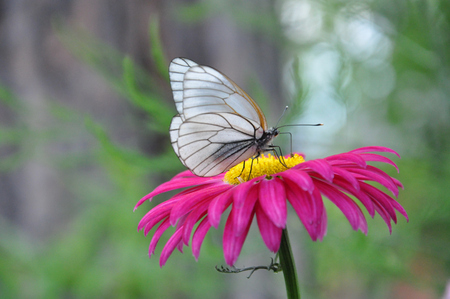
(288, 266)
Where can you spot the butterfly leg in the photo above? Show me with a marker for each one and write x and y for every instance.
(243, 167)
(273, 148)
(290, 141)
(251, 165)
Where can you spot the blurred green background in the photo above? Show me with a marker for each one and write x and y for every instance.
(85, 107)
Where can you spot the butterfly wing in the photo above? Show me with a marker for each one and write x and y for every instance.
(177, 69)
(208, 90)
(209, 144)
(218, 122)
(174, 132)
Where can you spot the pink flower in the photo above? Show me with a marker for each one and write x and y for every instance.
(265, 193)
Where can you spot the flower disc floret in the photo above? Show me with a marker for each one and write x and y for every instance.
(262, 166)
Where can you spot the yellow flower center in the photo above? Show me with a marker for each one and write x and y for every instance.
(267, 166)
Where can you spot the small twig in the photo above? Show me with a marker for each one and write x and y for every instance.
(275, 267)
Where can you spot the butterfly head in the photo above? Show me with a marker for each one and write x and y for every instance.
(266, 138)
(273, 132)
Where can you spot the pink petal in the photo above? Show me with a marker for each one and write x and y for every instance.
(189, 200)
(182, 194)
(175, 183)
(347, 157)
(376, 175)
(374, 149)
(322, 228)
(157, 235)
(170, 246)
(399, 208)
(360, 195)
(272, 198)
(184, 174)
(307, 208)
(180, 246)
(300, 178)
(350, 209)
(379, 158)
(218, 205)
(181, 222)
(199, 236)
(384, 215)
(270, 233)
(242, 215)
(397, 183)
(161, 209)
(232, 244)
(240, 193)
(347, 176)
(320, 166)
(194, 216)
(381, 196)
(153, 222)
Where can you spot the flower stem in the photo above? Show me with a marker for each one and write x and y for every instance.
(288, 266)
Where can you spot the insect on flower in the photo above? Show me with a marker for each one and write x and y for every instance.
(219, 126)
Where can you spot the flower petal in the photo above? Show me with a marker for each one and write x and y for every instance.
(199, 236)
(384, 215)
(185, 174)
(157, 235)
(189, 200)
(348, 157)
(272, 198)
(175, 183)
(397, 183)
(243, 215)
(232, 244)
(150, 224)
(163, 208)
(322, 228)
(350, 209)
(321, 166)
(240, 193)
(374, 149)
(270, 233)
(360, 195)
(376, 175)
(300, 178)
(218, 205)
(385, 200)
(170, 246)
(380, 197)
(346, 175)
(379, 158)
(194, 216)
(308, 207)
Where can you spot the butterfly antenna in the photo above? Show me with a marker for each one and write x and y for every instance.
(301, 125)
(282, 114)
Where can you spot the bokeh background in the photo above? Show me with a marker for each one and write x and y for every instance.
(85, 107)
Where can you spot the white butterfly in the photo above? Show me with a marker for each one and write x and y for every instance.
(218, 125)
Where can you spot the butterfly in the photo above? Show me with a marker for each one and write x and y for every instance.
(218, 125)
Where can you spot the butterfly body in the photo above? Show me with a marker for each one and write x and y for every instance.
(265, 139)
(218, 125)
